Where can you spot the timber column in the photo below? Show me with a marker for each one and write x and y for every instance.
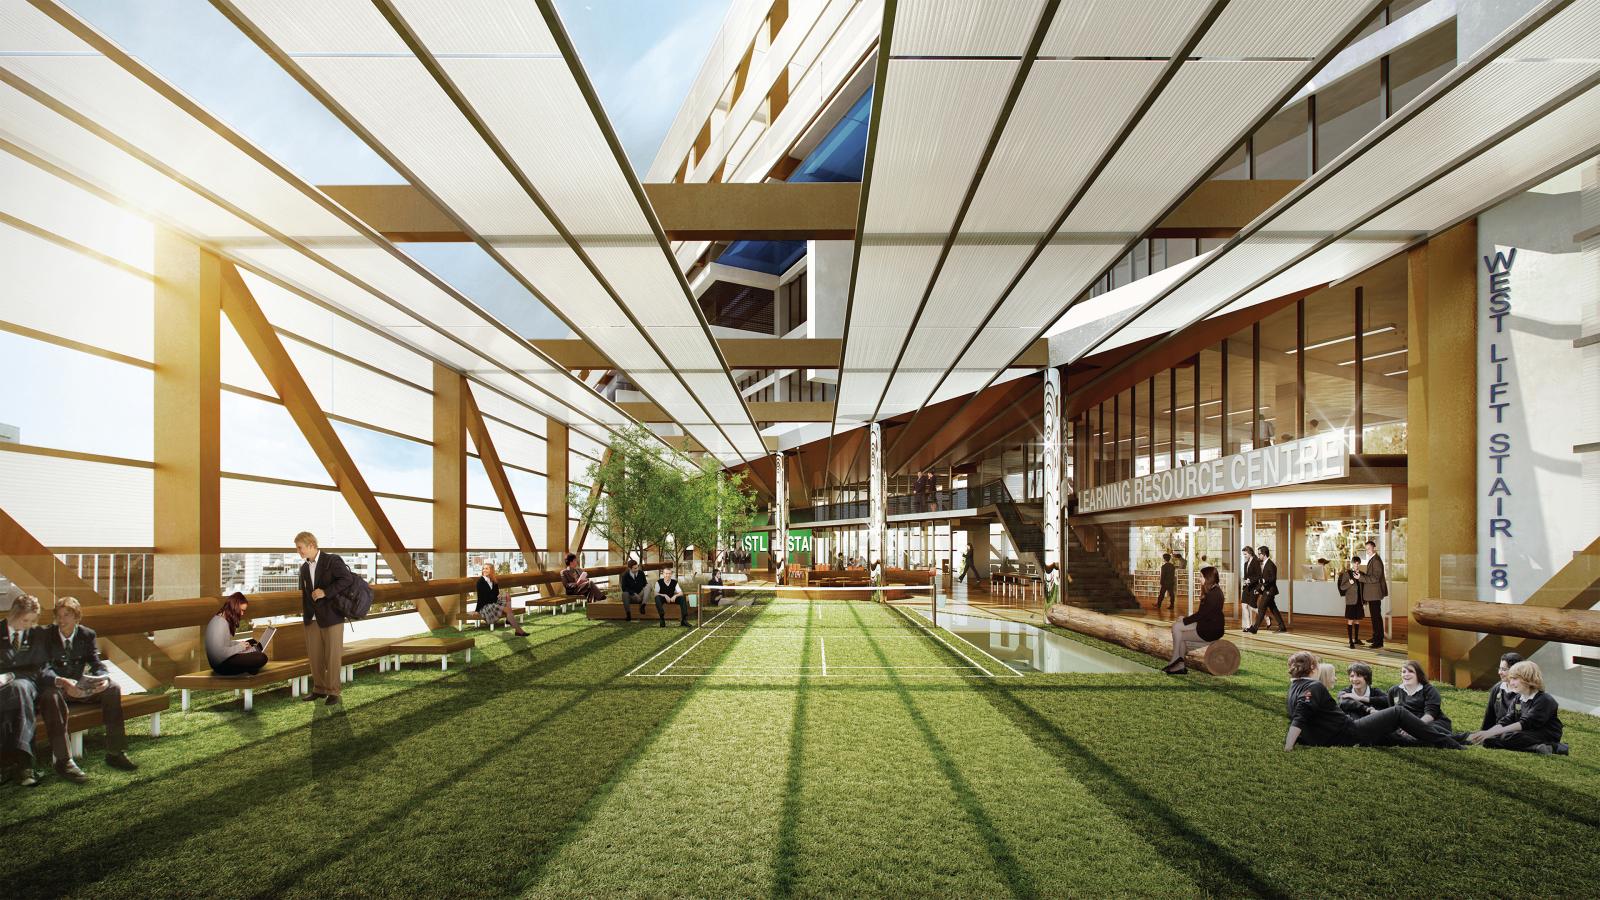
(188, 415)
(1441, 432)
(450, 476)
(555, 491)
(875, 503)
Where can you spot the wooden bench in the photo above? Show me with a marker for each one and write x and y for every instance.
(81, 718)
(431, 646)
(297, 672)
(364, 651)
(611, 610)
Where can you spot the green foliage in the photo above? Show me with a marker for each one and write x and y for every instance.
(648, 500)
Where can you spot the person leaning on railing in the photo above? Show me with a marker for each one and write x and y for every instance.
(75, 657)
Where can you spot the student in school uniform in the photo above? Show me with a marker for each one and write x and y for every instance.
(1501, 696)
(1349, 585)
(1266, 591)
(1206, 625)
(1531, 725)
(667, 591)
(1315, 720)
(1361, 697)
(74, 655)
(490, 607)
(1169, 584)
(1422, 699)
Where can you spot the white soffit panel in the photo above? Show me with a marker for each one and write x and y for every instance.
(1280, 29)
(1117, 28)
(1060, 273)
(963, 28)
(937, 116)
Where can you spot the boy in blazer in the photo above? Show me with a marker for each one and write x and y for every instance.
(323, 576)
(74, 653)
(1374, 588)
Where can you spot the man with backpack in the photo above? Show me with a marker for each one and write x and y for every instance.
(324, 578)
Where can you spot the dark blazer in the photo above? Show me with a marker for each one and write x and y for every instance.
(1252, 576)
(1209, 616)
(1500, 702)
(334, 577)
(1355, 708)
(33, 659)
(1267, 578)
(1374, 576)
(634, 582)
(1169, 576)
(1423, 703)
(488, 592)
(72, 659)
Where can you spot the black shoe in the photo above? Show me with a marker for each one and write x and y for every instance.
(686, 624)
(1282, 630)
(1560, 749)
(120, 761)
(663, 623)
(1250, 630)
(1179, 671)
(27, 777)
(520, 633)
(333, 699)
(1543, 749)
(310, 695)
(70, 771)
(1377, 646)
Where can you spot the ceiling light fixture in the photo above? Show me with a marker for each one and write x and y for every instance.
(1385, 329)
(1351, 362)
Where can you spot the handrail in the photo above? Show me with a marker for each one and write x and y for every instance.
(159, 615)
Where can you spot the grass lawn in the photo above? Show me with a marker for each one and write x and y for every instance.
(598, 759)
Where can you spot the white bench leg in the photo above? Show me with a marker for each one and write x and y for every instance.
(77, 744)
(155, 724)
(469, 654)
(249, 699)
(294, 687)
(185, 699)
(444, 662)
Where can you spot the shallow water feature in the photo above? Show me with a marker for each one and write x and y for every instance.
(1026, 648)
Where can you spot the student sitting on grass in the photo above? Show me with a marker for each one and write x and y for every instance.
(1362, 697)
(1419, 697)
(1327, 674)
(1316, 721)
(1501, 696)
(1531, 725)
(490, 607)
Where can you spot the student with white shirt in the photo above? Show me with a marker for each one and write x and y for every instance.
(1531, 725)
(29, 690)
(1361, 697)
(323, 576)
(490, 607)
(667, 591)
(1422, 699)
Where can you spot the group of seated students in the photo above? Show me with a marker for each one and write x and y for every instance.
(46, 671)
(1519, 715)
(667, 591)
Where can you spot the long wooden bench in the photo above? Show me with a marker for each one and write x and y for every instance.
(297, 672)
(81, 718)
(441, 647)
(365, 651)
(611, 610)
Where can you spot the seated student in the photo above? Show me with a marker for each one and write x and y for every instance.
(490, 607)
(1501, 697)
(29, 688)
(226, 655)
(633, 588)
(714, 588)
(1206, 625)
(1531, 725)
(1327, 674)
(1316, 721)
(1419, 697)
(667, 591)
(75, 655)
(576, 581)
(1362, 697)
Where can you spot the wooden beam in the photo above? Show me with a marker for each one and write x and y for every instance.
(481, 439)
(776, 411)
(263, 343)
(449, 478)
(688, 212)
(749, 353)
(580, 532)
(556, 484)
(1219, 208)
(31, 566)
(1575, 624)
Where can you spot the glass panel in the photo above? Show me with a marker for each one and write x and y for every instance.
(70, 400)
(1185, 407)
(1280, 145)
(1210, 403)
(1278, 385)
(1161, 427)
(72, 503)
(1384, 381)
(1330, 359)
(1346, 111)
(1241, 393)
(1415, 66)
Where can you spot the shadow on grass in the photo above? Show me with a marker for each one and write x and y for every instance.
(786, 864)
(1017, 878)
(170, 815)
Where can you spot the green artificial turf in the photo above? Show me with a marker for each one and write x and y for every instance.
(727, 764)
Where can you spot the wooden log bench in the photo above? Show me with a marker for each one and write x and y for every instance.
(297, 672)
(441, 647)
(81, 718)
(1220, 657)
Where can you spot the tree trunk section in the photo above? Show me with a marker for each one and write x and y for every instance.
(1220, 657)
(1566, 626)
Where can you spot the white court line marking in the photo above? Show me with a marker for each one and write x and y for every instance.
(725, 668)
(824, 642)
(679, 640)
(953, 649)
(698, 643)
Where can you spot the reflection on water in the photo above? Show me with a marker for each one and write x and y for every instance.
(1028, 649)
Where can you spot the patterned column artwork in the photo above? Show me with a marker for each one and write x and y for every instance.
(780, 521)
(876, 552)
(1052, 480)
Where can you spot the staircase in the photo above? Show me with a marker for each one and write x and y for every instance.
(1028, 536)
(1094, 582)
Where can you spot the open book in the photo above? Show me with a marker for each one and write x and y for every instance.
(93, 684)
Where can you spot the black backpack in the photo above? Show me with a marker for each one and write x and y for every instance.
(356, 602)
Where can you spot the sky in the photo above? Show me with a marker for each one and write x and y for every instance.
(642, 56)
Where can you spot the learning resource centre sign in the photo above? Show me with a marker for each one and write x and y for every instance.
(1316, 458)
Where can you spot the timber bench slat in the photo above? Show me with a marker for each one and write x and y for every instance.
(275, 671)
(81, 718)
(441, 647)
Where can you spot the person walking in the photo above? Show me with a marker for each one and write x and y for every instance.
(1169, 584)
(1206, 625)
(1267, 591)
(323, 576)
(1249, 586)
(1349, 585)
(1374, 589)
(967, 566)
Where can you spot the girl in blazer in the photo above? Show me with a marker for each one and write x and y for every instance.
(490, 606)
(1206, 625)
(1350, 589)
(1422, 699)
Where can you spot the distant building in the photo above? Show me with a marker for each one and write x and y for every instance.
(10, 434)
